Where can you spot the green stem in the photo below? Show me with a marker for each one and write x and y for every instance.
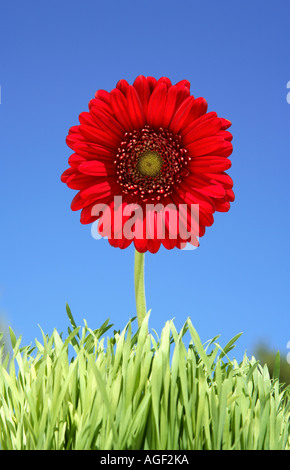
(140, 286)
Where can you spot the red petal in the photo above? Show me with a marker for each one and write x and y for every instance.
(225, 135)
(86, 215)
(97, 168)
(106, 122)
(87, 119)
(79, 181)
(206, 128)
(97, 136)
(152, 82)
(185, 83)
(100, 189)
(198, 109)
(143, 89)
(212, 190)
(222, 206)
(79, 203)
(222, 178)
(75, 160)
(205, 218)
(169, 243)
(135, 108)
(153, 245)
(230, 195)
(209, 164)
(93, 211)
(182, 93)
(103, 95)
(140, 245)
(199, 121)
(156, 106)
(67, 174)
(122, 243)
(97, 104)
(225, 123)
(122, 85)
(93, 152)
(120, 108)
(165, 80)
(193, 196)
(210, 146)
(73, 136)
(181, 114)
(170, 106)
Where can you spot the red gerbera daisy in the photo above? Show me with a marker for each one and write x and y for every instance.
(145, 145)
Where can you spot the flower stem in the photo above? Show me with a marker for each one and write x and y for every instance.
(140, 286)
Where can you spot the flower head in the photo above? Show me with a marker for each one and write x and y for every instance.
(150, 149)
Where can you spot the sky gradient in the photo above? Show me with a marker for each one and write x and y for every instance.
(53, 58)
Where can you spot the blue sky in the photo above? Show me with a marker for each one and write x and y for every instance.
(53, 57)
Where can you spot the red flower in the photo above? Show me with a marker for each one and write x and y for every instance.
(147, 144)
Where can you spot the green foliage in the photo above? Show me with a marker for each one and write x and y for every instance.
(135, 391)
(270, 357)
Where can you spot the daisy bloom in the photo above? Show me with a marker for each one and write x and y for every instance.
(146, 145)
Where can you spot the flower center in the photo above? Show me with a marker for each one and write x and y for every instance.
(149, 162)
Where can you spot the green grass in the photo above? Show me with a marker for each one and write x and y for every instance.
(135, 391)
